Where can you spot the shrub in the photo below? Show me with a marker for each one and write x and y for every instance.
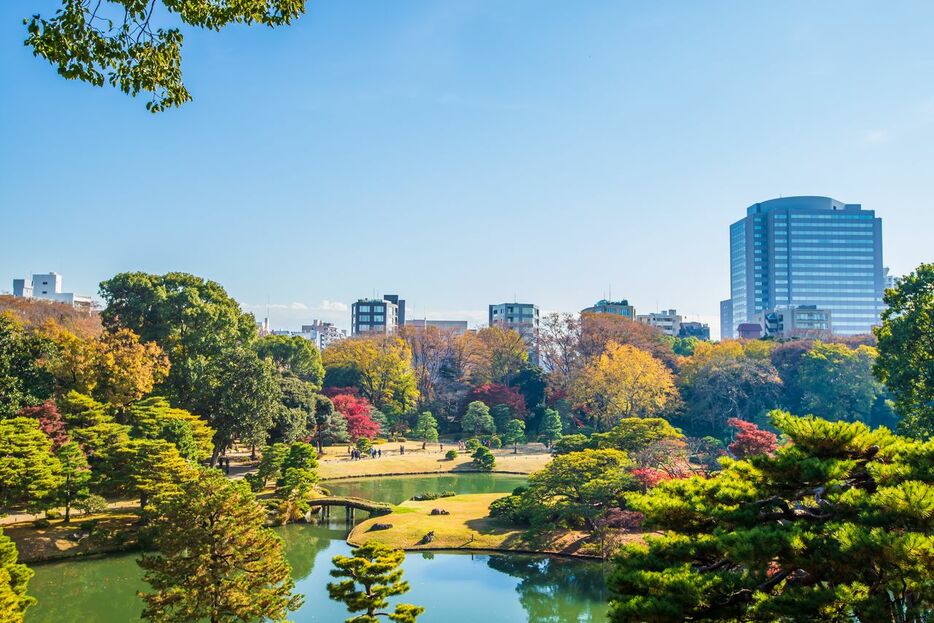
(89, 525)
(53, 514)
(92, 504)
(483, 459)
(512, 508)
(494, 442)
(571, 443)
(432, 496)
(472, 444)
(364, 444)
(42, 523)
(450, 455)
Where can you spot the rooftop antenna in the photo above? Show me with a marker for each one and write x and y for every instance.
(611, 291)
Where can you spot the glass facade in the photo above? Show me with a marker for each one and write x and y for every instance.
(808, 251)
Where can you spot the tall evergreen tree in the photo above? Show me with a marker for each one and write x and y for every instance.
(477, 420)
(76, 477)
(29, 473)
(215, 560)
(551, 426)
(426, 427)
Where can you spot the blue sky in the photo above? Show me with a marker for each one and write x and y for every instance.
(462, 152)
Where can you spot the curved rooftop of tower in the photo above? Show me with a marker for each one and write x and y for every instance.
(805, 202)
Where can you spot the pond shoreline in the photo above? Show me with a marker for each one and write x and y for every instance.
(56, 542)
(434, 473)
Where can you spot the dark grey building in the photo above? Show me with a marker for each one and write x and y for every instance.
(799, 251)
(369, 316)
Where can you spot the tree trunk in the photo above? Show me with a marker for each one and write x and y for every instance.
(67, 512)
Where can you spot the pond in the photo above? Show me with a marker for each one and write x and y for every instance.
(453, 587)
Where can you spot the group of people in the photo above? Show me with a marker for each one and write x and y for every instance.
(356, 455)
(376, 453)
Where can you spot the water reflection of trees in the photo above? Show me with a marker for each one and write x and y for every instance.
(303, 543)
(556, 590)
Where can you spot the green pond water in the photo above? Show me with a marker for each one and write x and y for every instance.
(453, 587)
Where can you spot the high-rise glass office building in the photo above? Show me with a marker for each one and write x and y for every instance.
(808, 251)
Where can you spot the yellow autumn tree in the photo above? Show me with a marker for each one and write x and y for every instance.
(127, 368)
(622, 382)
(381, 367)
(113, 367)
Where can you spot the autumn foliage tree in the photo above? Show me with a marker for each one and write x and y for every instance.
(492, 394)
(622, 382)
(750, 440)
(379, 366)
(50, 421)
(113, 367)
(357, 413)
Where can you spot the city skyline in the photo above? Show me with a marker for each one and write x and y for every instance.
(605, 146)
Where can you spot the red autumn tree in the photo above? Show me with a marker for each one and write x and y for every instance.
(357, 411)
(50, 421)
(492, 394)
(750, 440)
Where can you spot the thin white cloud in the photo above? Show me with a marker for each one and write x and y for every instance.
(876, 136)
(327, 305)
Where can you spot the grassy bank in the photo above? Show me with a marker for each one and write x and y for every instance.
(467, 527)
(335, 463)
(112, 532)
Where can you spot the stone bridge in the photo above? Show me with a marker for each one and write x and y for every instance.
(351, 504)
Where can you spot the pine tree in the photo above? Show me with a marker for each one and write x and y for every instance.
(551, 427)
(514, 433)
(151, 467)
(426, 427)
(477, 420)
(375, 567)
(29, 472)
(270, 465)
(216, 561)
(836, 526)
(483, 459)
(76, 476)
(14, 578)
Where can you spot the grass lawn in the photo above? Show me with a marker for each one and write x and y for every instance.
(113, 532)
(467, 527)
(335, 462)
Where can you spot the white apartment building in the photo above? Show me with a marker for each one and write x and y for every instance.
(667, 320)
(48, 287)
